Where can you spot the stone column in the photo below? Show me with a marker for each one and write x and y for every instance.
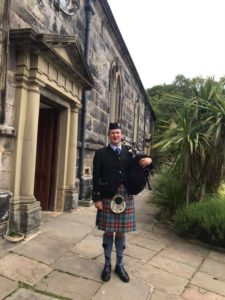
(72, 151)
(30, 208)
(71, 195)
(30, 145)
(25, 215)
(23, 64)
(63, 158)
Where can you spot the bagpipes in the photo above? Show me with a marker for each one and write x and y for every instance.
(138, 176)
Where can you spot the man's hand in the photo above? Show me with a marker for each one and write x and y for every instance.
(144, 162)
(98, 205)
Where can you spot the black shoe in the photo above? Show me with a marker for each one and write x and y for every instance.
(122, 273)
(106, 273)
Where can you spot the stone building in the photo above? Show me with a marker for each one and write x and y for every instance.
(65, 74)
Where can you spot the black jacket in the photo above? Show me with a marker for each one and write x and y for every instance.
(109, 171)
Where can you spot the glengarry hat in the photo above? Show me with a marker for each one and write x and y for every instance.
(115, 125)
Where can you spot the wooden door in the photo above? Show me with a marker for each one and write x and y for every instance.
(45, 174)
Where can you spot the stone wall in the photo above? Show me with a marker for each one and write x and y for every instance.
(104, 51)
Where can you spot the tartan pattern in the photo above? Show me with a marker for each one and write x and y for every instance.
(111, 222)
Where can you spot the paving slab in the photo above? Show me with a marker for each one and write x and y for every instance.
(46, 215)
(22, 269)
(132, 234)
(142, 226)
(6, 246)
(195, 293)
(64, 230)
(82, 215)
(193, 248)
(144, 208)
(216, 255)
(116, 289)
(72, 287)
(161, 279)
(145, 211)
(148, 243)
(171, 266)
(145, 218)
(209, 282)
(144, 214)
(7, 286)
(97, 232)
(90, 246)
(213, 267)
(79, 266)
(183, 256)
(148, 207)
(43, 248)
(161, 229)
(139, 252)
(166, 239)
(23, 294)
(160, 295)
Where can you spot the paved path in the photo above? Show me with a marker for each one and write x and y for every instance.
(64, 261)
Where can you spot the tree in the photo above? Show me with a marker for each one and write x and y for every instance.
(159, 96)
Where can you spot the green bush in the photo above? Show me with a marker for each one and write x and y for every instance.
(205, 220)
(168, 191)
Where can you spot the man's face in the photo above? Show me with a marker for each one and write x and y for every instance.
(115, 136)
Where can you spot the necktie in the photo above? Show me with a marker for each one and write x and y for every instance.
(118, 150)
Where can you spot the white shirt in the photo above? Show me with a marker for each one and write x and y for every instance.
(115, 147)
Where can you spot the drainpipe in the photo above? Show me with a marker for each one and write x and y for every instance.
(144, 126)
(89, 13)
(4, 40)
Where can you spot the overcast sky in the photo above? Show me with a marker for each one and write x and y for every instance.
(170, 37)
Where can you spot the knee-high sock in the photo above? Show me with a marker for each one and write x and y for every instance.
(120, 246)
(107, 245)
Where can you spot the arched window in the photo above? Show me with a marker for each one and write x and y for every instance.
(115, 89)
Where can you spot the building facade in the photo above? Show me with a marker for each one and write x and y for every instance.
(65, 74)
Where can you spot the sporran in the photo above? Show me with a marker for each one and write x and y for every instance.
(118, 204)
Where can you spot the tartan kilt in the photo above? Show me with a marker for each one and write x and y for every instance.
(107, 220)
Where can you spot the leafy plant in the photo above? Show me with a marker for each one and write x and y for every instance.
(205, 220)
(168, 190)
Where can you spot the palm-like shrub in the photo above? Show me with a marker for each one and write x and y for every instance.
(194, 138)
(184, 145)
(211, 103)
